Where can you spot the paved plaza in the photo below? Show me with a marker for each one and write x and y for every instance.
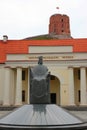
(80, 114)
(4, 113)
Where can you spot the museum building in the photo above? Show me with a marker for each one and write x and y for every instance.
(64, 56)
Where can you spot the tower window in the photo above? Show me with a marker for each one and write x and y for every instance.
(62, 30)
(61, 20)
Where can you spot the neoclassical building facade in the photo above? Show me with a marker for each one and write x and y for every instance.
(66, 60)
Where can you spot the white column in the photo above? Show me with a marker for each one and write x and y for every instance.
(6, 97)
(12, 89)
(28, 98)
(18, 98)
(83, 86)
(71, 87)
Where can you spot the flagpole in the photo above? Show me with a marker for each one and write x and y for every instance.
(57, 8)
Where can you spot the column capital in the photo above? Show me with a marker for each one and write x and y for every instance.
(70, 67)
(82, 67)
(8, 67)
(19, 67)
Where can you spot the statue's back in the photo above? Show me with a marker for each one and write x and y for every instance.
(39, 85)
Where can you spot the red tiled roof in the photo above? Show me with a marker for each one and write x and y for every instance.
(21, 46)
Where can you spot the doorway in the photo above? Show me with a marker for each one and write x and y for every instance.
(53, 98)
(55, 90)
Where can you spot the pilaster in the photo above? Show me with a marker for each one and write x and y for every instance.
(6, 98)
(71, 86)
(83, 86)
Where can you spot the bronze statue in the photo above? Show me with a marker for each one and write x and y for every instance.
(39, 84)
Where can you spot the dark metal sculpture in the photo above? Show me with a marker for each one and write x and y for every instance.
(39, 84)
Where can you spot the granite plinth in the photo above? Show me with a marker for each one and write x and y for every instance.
(41, 116)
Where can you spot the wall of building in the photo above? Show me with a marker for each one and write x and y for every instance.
(59, 86)
(2, 80)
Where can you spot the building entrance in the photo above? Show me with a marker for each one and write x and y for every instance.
(53, 98)
(55, 90)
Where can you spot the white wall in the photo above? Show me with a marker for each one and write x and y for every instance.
(50, 49)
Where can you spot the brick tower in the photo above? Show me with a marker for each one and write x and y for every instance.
(59, 25)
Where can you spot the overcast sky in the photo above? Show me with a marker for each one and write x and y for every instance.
(24, 18)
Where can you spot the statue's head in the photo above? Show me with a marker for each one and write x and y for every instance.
(40, 61)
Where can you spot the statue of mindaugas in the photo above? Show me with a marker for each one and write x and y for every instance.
(39, 84)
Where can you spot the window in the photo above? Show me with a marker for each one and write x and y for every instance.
(23, 96)
(23, 75)
(61, 20)
(79, 74)
(79, 94)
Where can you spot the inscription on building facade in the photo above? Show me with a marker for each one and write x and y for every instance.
(51, 57)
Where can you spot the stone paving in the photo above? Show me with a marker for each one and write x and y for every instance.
(80, 114)
(4, 113)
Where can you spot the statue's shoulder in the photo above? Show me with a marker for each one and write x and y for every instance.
(39, 70)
